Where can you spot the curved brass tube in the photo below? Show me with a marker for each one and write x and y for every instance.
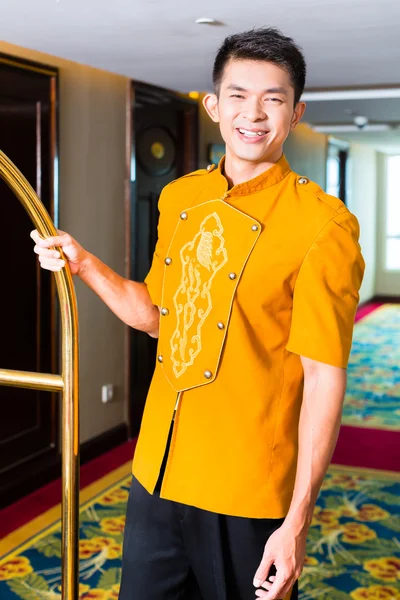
(68, 382)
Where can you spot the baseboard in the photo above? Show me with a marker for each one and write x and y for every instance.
(386, 299)
(380, 300)
(102, 443)
(30, 477)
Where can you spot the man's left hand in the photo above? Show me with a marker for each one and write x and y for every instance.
(286, 550)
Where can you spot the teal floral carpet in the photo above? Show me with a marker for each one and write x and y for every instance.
(373, 396)
(353, 546)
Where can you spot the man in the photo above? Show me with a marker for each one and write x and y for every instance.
(252, 292)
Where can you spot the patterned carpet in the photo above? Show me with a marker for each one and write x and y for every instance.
(353, 547)
(373, 397)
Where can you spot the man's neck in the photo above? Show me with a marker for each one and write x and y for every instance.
(237, 170)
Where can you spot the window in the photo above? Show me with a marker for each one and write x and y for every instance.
(393, 214)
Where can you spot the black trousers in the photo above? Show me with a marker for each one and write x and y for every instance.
(177, 552)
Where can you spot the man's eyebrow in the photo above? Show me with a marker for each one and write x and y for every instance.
(236, 88)
(276, 90)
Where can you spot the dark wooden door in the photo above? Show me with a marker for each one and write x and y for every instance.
(28, 424)
(165, 147)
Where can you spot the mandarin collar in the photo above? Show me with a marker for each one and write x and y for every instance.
(268, 178)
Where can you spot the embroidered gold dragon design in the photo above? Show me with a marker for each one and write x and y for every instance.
(201, 259)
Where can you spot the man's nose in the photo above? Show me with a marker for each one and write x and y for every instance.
(255, 111)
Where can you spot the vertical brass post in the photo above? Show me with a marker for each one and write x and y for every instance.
(68, 382)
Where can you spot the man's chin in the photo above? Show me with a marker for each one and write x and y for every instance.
(255, 155)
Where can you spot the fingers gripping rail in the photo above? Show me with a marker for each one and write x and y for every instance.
(67, 383)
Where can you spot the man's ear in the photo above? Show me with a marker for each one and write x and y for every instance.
(298, 114)
(210, 103)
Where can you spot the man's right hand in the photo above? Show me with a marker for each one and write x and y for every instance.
(50, 258)
(129, 300)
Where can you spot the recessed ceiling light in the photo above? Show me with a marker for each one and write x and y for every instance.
(208, 21)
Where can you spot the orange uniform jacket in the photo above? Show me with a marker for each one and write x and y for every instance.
(248, 280)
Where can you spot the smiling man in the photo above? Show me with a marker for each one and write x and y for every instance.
(252, 292)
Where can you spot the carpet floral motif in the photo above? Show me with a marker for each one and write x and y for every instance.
(35, 574)
(353, 548)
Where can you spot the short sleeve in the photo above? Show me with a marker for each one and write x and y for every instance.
(154, 278)
(326, 294)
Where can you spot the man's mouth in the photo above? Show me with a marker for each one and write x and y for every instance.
(252, 134)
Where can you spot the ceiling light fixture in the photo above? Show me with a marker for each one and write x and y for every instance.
(361, 121)
(208, 21)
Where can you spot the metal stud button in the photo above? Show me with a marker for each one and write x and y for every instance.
(160, 358)
(221, 325)
(207, 374)
(255, 228)
(184, 216)
(168, 261)
(210, 167)
(164, 312)
(232, 276)
(302, 180)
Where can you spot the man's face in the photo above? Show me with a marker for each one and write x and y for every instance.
(255, 109)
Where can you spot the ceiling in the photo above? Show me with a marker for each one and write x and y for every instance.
(346, 43)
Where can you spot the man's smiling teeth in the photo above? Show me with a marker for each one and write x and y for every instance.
(251, 133)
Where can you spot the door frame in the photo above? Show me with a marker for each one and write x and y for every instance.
(191, 160)
(53, 73)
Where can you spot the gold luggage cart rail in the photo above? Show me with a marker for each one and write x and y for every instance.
(67, 382)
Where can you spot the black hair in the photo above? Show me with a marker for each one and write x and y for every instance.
(265, 43)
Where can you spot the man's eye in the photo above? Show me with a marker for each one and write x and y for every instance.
(236, 96)
(275, 100)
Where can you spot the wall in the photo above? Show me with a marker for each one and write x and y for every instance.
(387, 282)
(306, 152)
(92, 172)
(208, 134)
(363, 203)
